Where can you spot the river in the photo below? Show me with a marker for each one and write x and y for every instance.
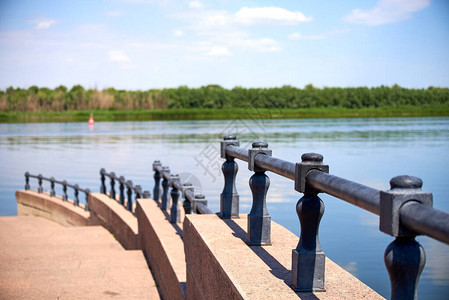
(368, 150)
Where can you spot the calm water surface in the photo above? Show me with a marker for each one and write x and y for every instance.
(370, 151)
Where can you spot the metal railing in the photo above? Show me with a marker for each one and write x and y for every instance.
(404, 211)
(64, 184)
(126, 202)
(192, 204)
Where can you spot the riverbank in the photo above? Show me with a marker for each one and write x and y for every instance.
(221, 114)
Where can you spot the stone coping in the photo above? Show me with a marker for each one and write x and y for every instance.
(115, 218)
(163, 246)
(54, 208)
(221, 264)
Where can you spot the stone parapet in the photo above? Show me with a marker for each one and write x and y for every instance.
(220, 265)
(32, 203)
(163, 247)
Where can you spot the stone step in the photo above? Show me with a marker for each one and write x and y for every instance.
(40, 259)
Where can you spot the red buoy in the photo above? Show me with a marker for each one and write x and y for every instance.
(91, 120)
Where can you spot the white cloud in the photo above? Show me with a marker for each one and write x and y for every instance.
(269, 15)
(386, 11)
(178, 32)
(118, 56)
(298, 36)
(45, 24)
(219, 51)
(195, 4)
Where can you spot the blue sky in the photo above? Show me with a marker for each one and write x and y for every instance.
(144, 44)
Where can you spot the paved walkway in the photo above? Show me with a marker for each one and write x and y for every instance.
(40, 259)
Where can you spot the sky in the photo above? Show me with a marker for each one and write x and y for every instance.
(147, 44)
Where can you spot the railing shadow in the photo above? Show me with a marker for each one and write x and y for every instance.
(277, 269)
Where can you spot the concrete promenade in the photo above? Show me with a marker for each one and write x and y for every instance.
(40, 259)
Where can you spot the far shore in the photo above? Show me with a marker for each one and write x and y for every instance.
(222, 114)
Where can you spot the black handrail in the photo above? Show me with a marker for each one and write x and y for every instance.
(193, 203)
(123, 183)
(64, 185)
(404, 211)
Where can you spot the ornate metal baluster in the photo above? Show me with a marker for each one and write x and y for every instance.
(64, 191)
(129, 185)
(259, 221)
(404, 257)
(86, 207)
(187, 186)
(40, 189)
(112, 193)
(165, 170)
(122, 190)
(52, 185)
(138, 190)
(146, 194)
(103, 183)
(77, 200)
(308, 260)
(157, 180)
(27, 181)
(229, 198)
(175, 210)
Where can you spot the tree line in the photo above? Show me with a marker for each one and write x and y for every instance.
(42, 99)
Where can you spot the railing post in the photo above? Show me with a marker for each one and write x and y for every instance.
(112, 193)
(86, 207)
(308, 260)
(40, 189)
(200, 198)
(64, 191)
(146, 194)
(77, 200)
(122, 190)
(27, 181)
(157, 180)
(103, 179)
(259, 221)
(229, 198)
(129, 185)
(187, 186)
(52, 186)
(165, 170)
(138, 190)
(404, 257)
(175, 210)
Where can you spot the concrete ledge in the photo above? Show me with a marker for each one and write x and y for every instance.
(221, 265)
(115, 218)
(31, 203)
(163, 247)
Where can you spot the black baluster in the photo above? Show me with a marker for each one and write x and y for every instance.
(157, 180)
(138, 190)
(77, 200)
(52, 185)
(308, 259)
(259, 221)
(64, 191)
(187, 186)
(112, 193)
(87, 192)
(27, 181)
(40, 189)
(404, 257)
(121, 180)
(103, 183)
(175, 210)
(165, 171)
(229, 198)
(129, 185)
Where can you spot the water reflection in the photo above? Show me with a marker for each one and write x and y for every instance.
(369, 151)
